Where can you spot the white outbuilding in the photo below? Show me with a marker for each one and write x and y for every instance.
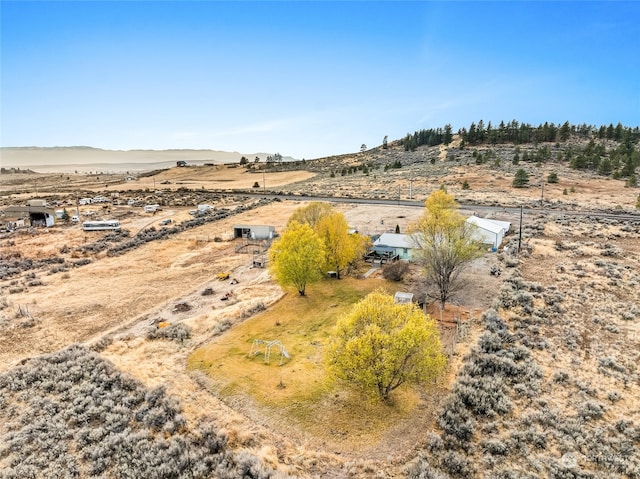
(489, 231)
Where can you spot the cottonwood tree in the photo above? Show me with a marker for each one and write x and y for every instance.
(311, 214)
(445, 245)
(381, 345)
(341, 248)
(296, 256)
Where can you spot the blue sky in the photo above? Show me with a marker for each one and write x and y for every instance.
(306, 79)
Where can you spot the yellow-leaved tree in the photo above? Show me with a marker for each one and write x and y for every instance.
(381, 345)
(446, 244)
(296, 256)
(341, 248)
(311, 214)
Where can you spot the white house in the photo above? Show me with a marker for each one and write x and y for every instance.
(400, 244)
(489, 231)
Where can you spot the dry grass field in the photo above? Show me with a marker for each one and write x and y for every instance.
(544, 382)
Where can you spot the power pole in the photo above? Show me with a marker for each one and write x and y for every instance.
(410, 188)
(520, 235)
(264, 183)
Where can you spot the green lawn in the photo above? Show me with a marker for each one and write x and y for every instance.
(300, 389)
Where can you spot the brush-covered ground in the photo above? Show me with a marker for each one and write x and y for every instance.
(544, 383)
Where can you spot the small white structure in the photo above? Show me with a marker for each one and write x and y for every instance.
(257, 348)
(254, 232)
(204, 208)
(14, 223)
(85, 201)
(402, 298)
(489, 231)
(101, 225)
(151, 208)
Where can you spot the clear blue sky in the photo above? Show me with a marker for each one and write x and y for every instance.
(307, 79)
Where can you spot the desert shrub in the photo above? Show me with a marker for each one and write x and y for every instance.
(613, 396)
(512, 474)
(221, 326)
(176, 332)
(102, 344)
(81, 262)
(72, 414)
(395, 271)
(253, 309)
(495, 447)
(560, 377)
(483, 396)
(590, 410)
(457, 464)
(421, 469)
(610, 363)
(456, 420)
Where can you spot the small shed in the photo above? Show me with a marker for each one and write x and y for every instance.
(402, 298)
(400, 244)
(489, 231)
(254, 232)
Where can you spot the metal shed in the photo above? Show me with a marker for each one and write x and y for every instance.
(255, 232)
(488, 231)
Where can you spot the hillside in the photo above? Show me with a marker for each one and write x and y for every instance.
(86, 159)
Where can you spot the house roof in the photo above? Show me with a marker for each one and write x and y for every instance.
(395, 240)
(494, 226)
(25, 210)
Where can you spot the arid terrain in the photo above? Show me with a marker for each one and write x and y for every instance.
(543, 379)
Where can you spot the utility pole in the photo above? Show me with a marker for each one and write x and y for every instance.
(520, 235)
(264, 183)
(410, 188)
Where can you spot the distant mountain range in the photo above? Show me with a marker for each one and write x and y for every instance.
(87, 159)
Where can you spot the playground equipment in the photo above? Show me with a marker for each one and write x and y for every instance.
(264, 347)
(223, 275)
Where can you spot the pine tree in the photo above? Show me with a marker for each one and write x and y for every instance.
(520, 179)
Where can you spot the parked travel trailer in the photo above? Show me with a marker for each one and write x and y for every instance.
(151, 208)
(101, 225)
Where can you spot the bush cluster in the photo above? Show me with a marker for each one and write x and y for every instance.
(395, 271)
(72, 414)
(178, 332)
